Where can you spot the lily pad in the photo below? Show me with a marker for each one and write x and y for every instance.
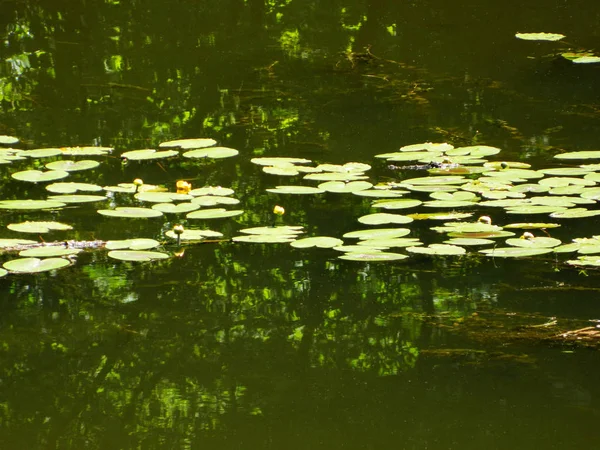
(372, 256)
(132, 244)
(390, 242)
(281, 170)
(265, 238)
(194, 235)
(278, 161)
(77, 198)
(37, 176)
(378, 233)
(187, 144)
(41, 153)
(86, 151)
(171, 208)
(212, 200)
(585, 261)
(298, 190)
(535, 242)
(438, 249)
(212, 190)
(4, 243)
(3, 272)
(469, 241)
(162, 197)
(476, 151)
(8, 140)
(404, 203)
(380, 193)
(540, 36)
(72, 166)
(30, 204)
(317, 241)
(532, 225)
(334, 176)
(47, 251)
(148, 154)
(574, 213)
(35, 265)
(214, 213)
(130, 212)
(586, 154)
(565, 171)
(71, 188)
(136, 255)
(341, 187)
(429, 146)
(514, 252)
(436, 180)
(38, 227)
(384, 218)
(274, 231)
(359, 248)
(440, 216)
(212, 152)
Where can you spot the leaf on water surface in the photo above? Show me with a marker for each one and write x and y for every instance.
(389, 242)
(380, 193)
(341, 187)
(130, 212)
(585, 261)
(514, 252)
(71, 188)
(540, 36)
(440, 216)
(213, 152)
(476, 151)
(335, 176)
(566, 171)
(69, 198)
(170, 208)
(384, 218)
(298, 190)
(132, 244)
(30, 204)
(214, 213)
(281, 170)
(148, 154)
(436, 180)
(372, 256)
(134, 255)
(317, 241)
(47, 251)
(162, 197)
(532, 225)
(274, 231)
(438, 249)
(428, 146)
(574, 213)
(212, 190)
(72, 166)
(41, 153)
(535, 242)
(212, 200)
(38, 227)
(35, 265)
(187, 144)
(469, 241)
(8, 140)
(3, 272)
(37, 176)
(265, 238)
(194, 235)
(378, 233)
(4, 243)
(359, 248)
(404, 203)
(86, 151)
(277, 161)
(402, 156)
(586, 154)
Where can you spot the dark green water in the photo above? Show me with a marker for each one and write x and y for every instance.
(264, 346)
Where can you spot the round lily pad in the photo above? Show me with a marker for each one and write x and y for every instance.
(212, 190)
(295, 190)
(317, 241)
(4, 243)
(77, 198)
(335, 176)
(469, 241)
(148, 154)
(8, 140)
(265, 238)
(380, 193)
(71, 188)
(359, 248)
(35, 265)
(38, 227)
(514, 252)
(281, 170)
(475, 150)
(162, 197)
(574, 213)
(540, 36)
(274, 231)
(436, 180)
(132, 244)
(532, 225)
(136, 255)
(378, 233)
(384, 218)
(440, 216)
(72, 166)
(585, 261)
(438, 249)
(171, 208)
(535, 242)
(214, 213)
(86, 151)
(372, 256)
(41, 152)
(3, 272)
(341, 187)
(194, 235)
(212, 200)
(50, 250)
(130, 212)
(429, 146)
(403, 203)
(30, 204)
(37, 176)
(187, 144)
(390, 242)
(586, 154)
(212, 152)
(278, 161)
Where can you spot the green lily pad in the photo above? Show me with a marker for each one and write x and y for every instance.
(79, 198)
(351, 167)
(380, 193)
(429, 146)
(378, 233)
(30, 204)
(535, 242)
(433, 188)
(404, 203)
(500, 165)
(212, 152)
(86, 151)
(162, 197)
(37, 176)
(390, 242)
(574, 213)
(514, 252)
(72, 166)
(585, 261)
(187, 144)
(35, 265)
(384, 218)
(567, 190)
(132, 244)
(214, 213)
(274, 231)
(341, 187)
(372, 256)
(586, 154)
(278, 161)
(8, 140)
(481, 234)
(566, 181)
(334, 176)
(532, 225)
(265, 238)
(171, 208)
(359, 248)
(136, 255)
(38, 227)
(212, 200)
(565, 171)
(440, 216)
(409, 156)
(71, 188)
(451, 179)
(212, 190)
(298, 190)
(515, 174)
(467, 227)
(468, 241)
(438, 249)
(530, 187)
(589, 59)
(534, 209)
(130, 212)
(317, 241)
(194, 235)
(540, 36)
(4, 243)
(3, 273)
(47, 251)
(285, 171)
(41, 153)
(475, 150)
(148, 154)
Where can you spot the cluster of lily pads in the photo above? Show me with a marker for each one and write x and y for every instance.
(578, 56)
(453, 180)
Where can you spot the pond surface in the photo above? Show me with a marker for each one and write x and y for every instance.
(236, 345)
